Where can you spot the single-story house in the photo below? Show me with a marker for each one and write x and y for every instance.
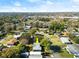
(25, 55)
(65, 40)
(17, 34)
(11, 42)
(64, 33)
(75, 33)
(35, 54)
(36, 47)
(39, 33)
(3, 32)
(27, 27)
(73, 49)
(1, 38)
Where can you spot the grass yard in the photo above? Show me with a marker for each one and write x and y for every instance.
(8, 38)
(65, 54)
(55, 40)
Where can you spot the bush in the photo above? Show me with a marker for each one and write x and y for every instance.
(13, 52)
(55, 48)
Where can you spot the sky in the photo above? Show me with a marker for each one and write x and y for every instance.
(39, 5)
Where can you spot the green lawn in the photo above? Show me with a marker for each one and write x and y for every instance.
(65, 54)
(7, 38)
(55, 40)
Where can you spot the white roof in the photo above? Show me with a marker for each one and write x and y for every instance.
(65, 39)
(16, 36)
(42, 33)
(35, 54)
(36, 46)
(19, 35)
(27, 27)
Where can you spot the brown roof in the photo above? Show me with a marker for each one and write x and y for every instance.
(12, 41)
(65, 33)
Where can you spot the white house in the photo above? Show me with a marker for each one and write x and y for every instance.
(18, 34)
(27, 27)
(65, 40)
(36, 53)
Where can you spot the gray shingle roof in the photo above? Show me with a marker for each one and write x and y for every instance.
(74, 49)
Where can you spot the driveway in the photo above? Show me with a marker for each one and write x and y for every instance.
(56, 55)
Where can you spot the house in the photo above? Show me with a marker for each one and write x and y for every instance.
(1, 38)
(75, 33)
(3, 32)
(65, 39)
(64, 33)
(36, 53)
(73, 49)
(36, 47)
(24, 55)
(39, 33)
(11, 42)
(27, 27)
(17, 34)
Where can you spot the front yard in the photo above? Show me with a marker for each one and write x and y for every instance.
(65, 54)
(7, 38)
(55, 40)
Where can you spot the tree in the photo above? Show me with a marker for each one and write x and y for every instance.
(46, 44)
(23, 41)
(55, 48)
(10, 53)
(8, 27)
(77, 40)
(74, 38)
(13, 52)
(32, 31)
(57, 26)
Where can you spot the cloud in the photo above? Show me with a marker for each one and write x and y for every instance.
(32, 1)
(17, 4)
(13, 9)
(40, 6)
(48, 6)
(76, 2)
(75, 5)
(49, 2)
